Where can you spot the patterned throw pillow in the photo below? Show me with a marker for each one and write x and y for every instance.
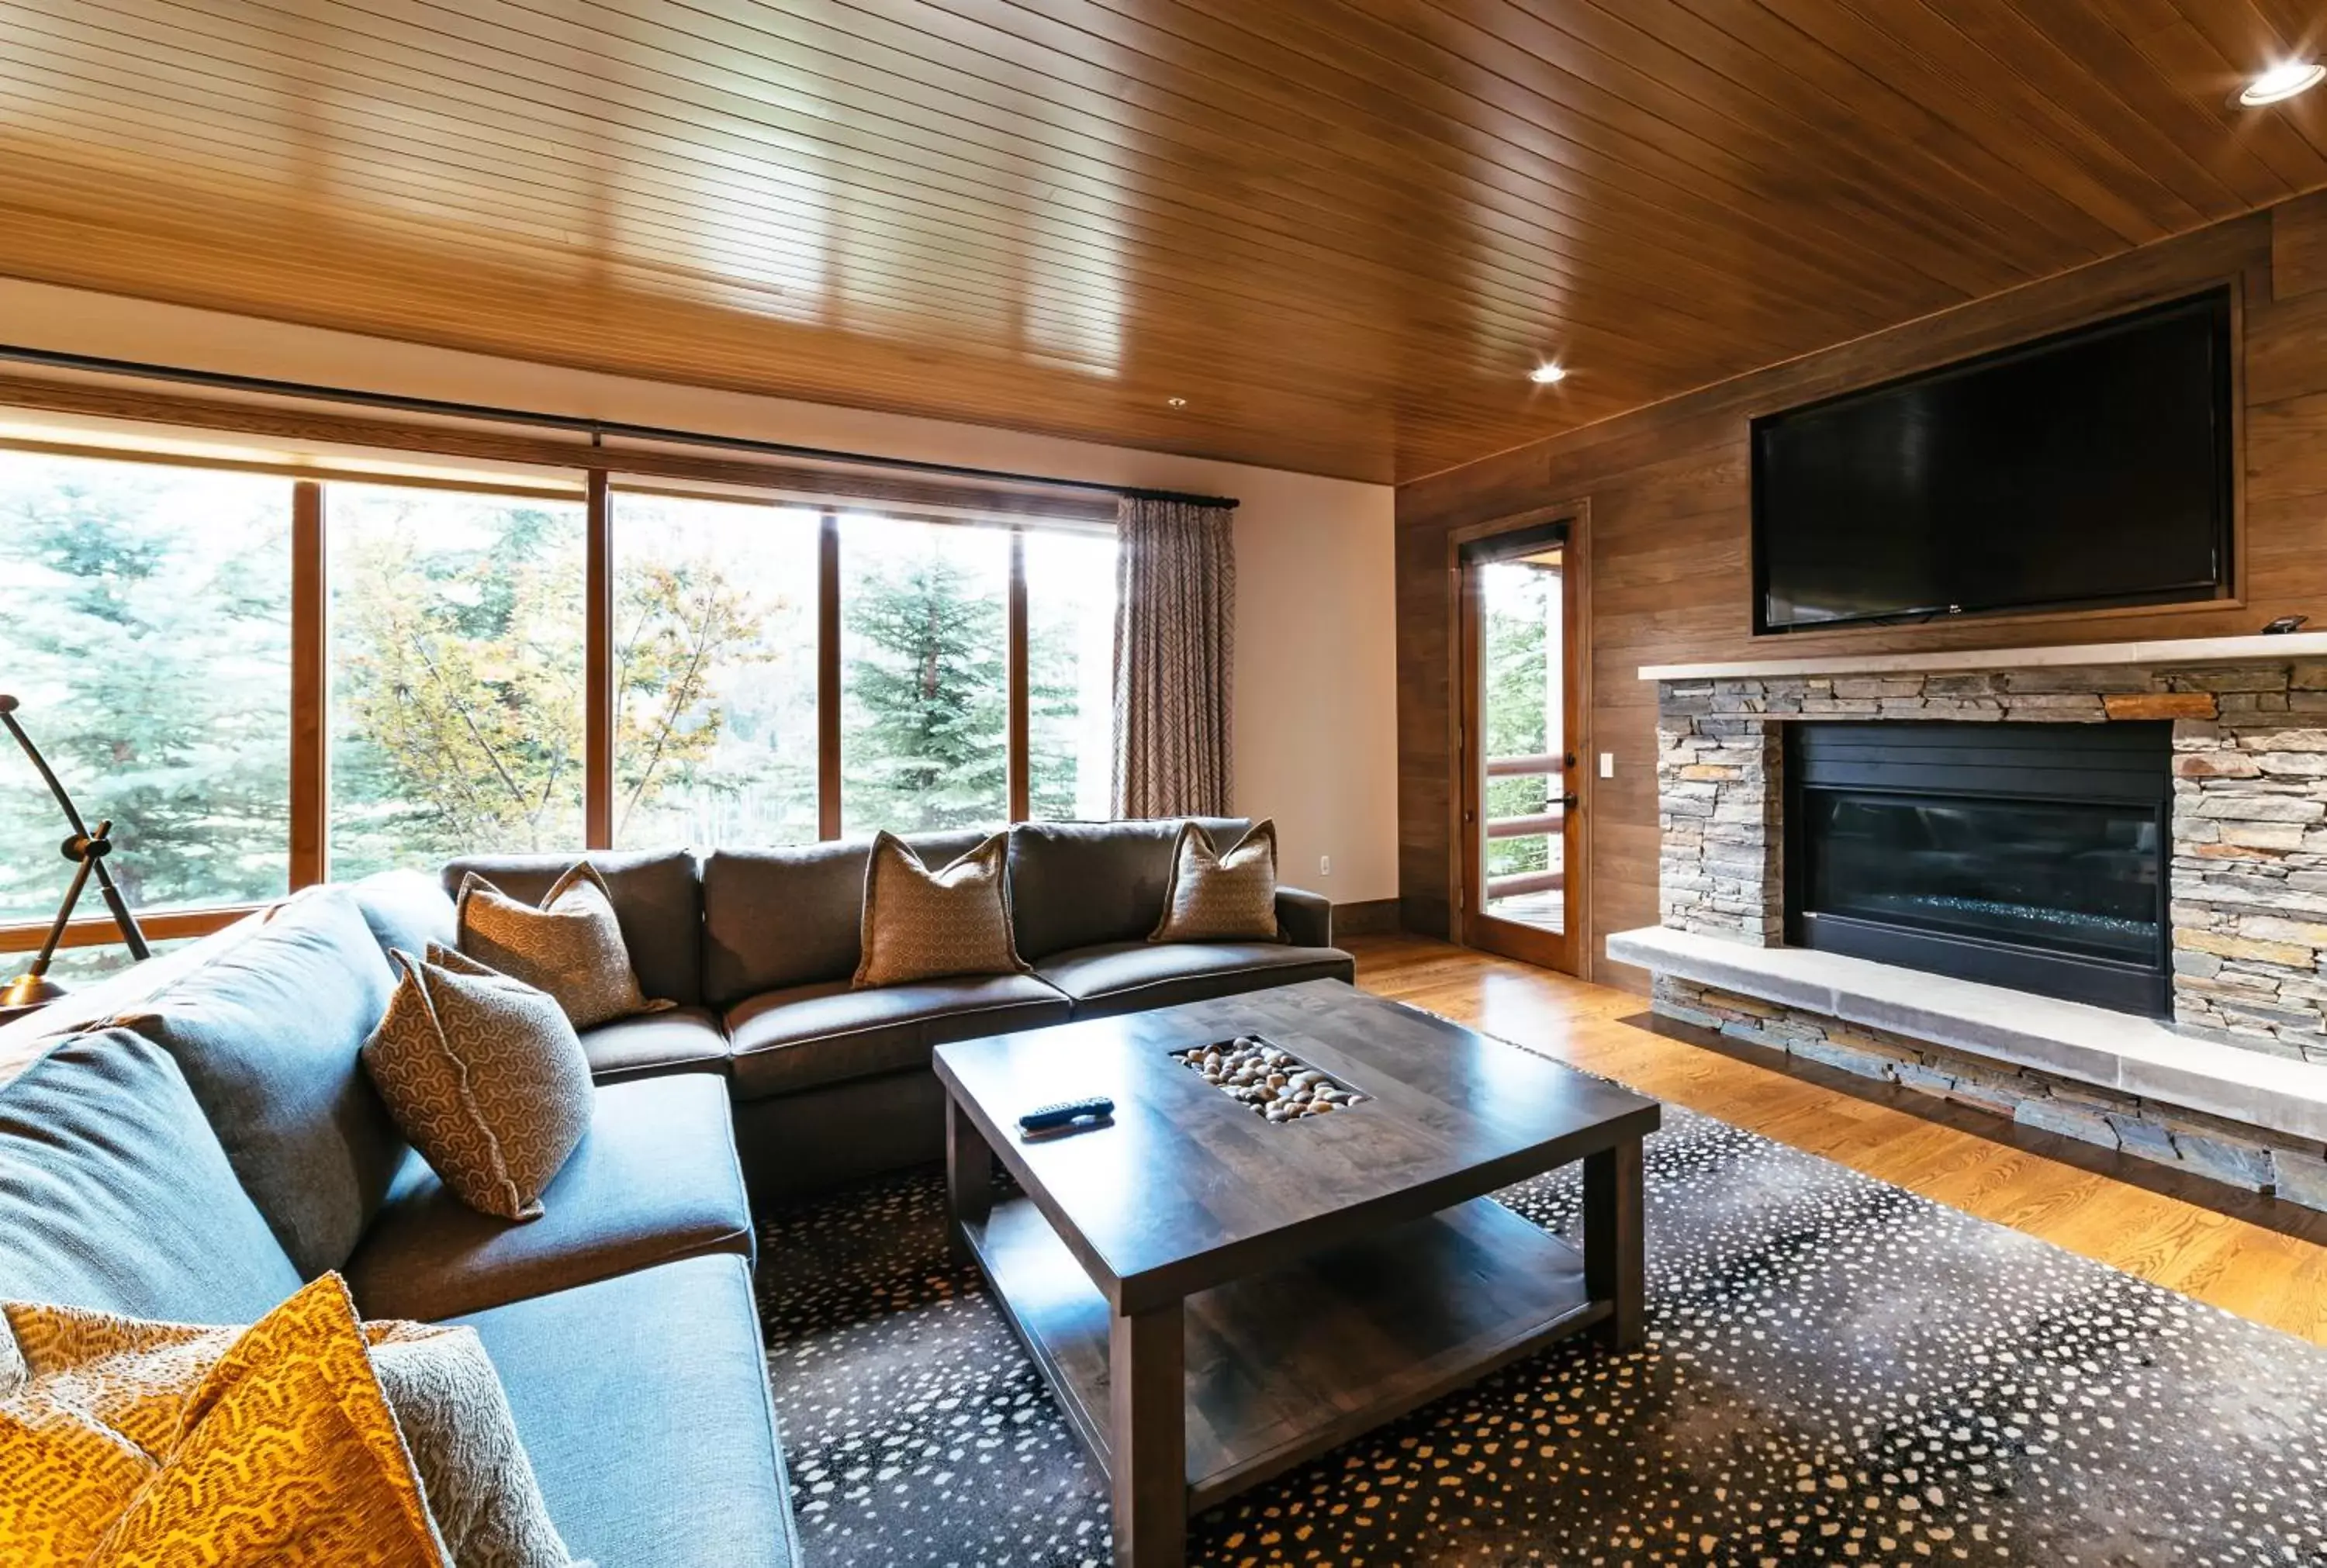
(306, 1438)
(923, 925)
(474, 1471)
(485, 1076)
(571, 946)
(1221, 898)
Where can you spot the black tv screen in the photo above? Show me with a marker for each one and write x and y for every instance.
(2090, 468)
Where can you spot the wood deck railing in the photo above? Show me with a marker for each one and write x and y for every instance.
(1551, 820)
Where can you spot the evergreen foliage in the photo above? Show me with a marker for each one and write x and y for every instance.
(147, 635)
(928, 746)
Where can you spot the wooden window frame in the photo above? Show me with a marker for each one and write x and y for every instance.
(308, 828)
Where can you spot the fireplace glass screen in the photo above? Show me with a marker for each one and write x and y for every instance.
(2029, 856)
(2070, 877)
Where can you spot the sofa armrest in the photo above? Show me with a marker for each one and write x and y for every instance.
(1307, 918)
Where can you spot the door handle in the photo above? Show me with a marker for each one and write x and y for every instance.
(1570, 802)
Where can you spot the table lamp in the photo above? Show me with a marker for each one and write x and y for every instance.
(87, 850)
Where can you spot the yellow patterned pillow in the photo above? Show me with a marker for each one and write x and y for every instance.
(137, 1443)
(923, 925)
(571, 946)
(484, 1074)
(306, 1438)
(1215, 897)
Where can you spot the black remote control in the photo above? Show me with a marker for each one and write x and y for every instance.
(1043, 1117)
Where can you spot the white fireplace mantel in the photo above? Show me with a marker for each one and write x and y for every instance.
(2185, 650)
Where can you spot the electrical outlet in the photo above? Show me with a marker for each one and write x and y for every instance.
(1325, 865)
(1607, 764)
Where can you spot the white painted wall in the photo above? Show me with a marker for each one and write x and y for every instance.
(1315, 698)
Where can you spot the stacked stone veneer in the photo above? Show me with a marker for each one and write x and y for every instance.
(2249, 875)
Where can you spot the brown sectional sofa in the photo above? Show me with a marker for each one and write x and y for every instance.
(198, 1155)
(212, 1147)
(830, 1083)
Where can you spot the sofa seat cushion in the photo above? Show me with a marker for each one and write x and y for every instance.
(655, 1179)
(1130, 976)
(643, 1403)
(116, 1196)
(267, 1034)
(681, 1039)
(806, 1035)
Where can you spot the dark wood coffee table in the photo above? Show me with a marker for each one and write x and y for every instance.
(1214, 1299)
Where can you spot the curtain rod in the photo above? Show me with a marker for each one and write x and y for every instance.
(595, 429)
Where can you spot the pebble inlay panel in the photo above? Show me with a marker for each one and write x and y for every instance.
(1277, 1084)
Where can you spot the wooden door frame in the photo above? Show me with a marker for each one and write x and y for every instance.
(1576, 634)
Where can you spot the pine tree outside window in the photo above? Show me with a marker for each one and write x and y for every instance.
(148, 634)
(924, 611)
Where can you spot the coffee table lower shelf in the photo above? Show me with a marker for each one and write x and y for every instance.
(1284, 1364)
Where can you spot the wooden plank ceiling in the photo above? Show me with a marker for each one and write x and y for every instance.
(1342, 230)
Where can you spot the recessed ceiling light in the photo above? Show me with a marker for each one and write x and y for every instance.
(1547, 375)
(2282, 81)
(1177, 402)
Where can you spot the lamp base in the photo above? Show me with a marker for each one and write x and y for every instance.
(26, 992)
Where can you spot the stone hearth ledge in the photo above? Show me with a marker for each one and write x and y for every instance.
(2169, 654)
(2111, 1050)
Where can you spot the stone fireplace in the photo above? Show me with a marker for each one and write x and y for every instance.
(2085, 887)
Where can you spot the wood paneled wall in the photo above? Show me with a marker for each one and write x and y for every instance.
(1668, 555)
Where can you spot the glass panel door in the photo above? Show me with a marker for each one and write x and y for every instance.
(1519, 713)
(1515, 727)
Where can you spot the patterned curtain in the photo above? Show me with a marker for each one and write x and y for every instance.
(1174, 636)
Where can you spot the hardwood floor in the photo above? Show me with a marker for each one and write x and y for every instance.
(2260, 1258)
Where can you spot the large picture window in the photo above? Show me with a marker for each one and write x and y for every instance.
(269, 672)
(148, 637)
(715, 632)
(457, 675)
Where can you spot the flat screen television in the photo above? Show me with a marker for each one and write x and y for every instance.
(2090, 468)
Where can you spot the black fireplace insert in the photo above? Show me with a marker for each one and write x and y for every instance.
(2029, 856)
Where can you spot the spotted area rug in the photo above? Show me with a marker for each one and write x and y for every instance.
(1837, 1371)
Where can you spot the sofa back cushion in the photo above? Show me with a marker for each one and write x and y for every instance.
(407, 909)
(658, 900)
(1077, 884)
(773, 917)
(267, 1035)
(115, 1195)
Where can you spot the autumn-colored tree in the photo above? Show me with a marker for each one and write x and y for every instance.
(679, 629)
(461, 687)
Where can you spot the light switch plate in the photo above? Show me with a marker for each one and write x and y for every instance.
(1607, 764)
(1325, 865)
